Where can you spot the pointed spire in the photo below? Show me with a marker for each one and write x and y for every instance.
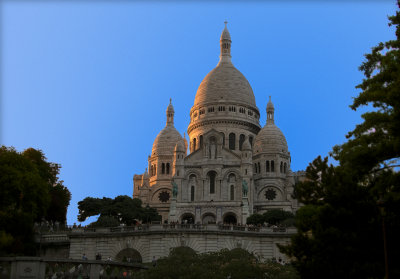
(270, 112)
(225, 43)
(170, 113)
(185, 141)
(145, 178)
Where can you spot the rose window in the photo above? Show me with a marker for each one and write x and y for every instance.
(163, 196)
(270, 194)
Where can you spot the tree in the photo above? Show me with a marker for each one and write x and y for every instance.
(29, 191)
(338, 236)
(277, 216)
(351, 210)
(272, 217)
(123, 209)
(235, 263)
(255, 219)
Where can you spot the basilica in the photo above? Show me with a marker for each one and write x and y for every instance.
(234, 167)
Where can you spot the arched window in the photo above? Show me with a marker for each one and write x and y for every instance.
(192, 178)
(194, 144)
(231, 178)
(192, 193)
(155, 169)
(211, 178)
(272, 166)
(255, 167)
(267, 166)
(232, 194)
(232, 139)
(251, 141)
(241, 140)
(163, 168)
(223, 139)
(177, 172)
(259, 167)
(201, 141)
(284, 167)
(167, 168)
(151, 170)
(281, 167)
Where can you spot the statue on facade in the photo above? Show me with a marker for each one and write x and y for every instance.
(213, 150)
(245, 188)
(174, 189)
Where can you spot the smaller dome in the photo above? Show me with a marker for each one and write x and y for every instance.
(180, 147)
(165, 142)
(270, 139)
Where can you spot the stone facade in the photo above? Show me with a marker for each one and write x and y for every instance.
(234, 167)
(157, 241)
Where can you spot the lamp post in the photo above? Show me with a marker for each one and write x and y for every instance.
(381, 205)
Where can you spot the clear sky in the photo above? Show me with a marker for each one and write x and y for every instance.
(89, 82)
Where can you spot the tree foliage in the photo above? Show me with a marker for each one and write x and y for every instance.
(277, 216)
(236, 263)
(29, 191)
(339, 234)
(271, 217)
(123, 209)
(340, 227)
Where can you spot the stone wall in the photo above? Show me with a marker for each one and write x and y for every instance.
(157, 240)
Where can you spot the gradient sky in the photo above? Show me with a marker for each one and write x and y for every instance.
(89, 82)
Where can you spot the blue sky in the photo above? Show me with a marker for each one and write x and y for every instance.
(89, 82)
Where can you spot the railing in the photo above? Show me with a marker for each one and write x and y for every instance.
(185, 227)
(50, 238)
(33, 267)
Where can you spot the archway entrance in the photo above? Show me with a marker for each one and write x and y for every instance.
(230, 218)
(209, 218)
(129, 255)
(187, 218)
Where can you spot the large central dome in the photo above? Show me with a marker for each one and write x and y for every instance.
(225, 83)
(224, 102)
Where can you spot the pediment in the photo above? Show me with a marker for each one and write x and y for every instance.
(200, 155)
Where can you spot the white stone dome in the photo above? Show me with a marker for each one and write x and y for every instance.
(270, 139)
(165, 142)
(225, 83)
(180, 146)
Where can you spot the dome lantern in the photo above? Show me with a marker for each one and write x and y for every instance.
(225, 43)
(170, 113)
(270, 112)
